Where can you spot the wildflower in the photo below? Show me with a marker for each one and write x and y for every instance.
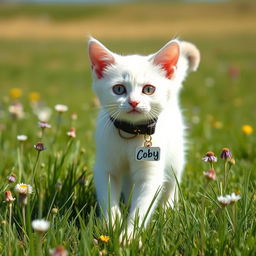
(42, 112)
(232, 161)
(74, 116)
(247, 129)
(15, 93)
(209, 157)
(44, 125)
(22, 137)
(59, 251)
(234, 198)
(16, 110)
(224, 200)
(210, 175)
(104, 239)
(23, 189)
(58, 186)
(228, 199)
(61, 108)
(72, 133)
(226, 154)
(234, 72)
(11, 178)
(34, 96)
(54, 210)
(40, 225)
(39, 146)
(217, 124)
(8, 197)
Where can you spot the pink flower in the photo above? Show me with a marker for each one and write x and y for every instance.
(72, 133)
(39, 146)
(8, 197)
(209, 157)
(210, 175)
(44, 125)
(226, 154)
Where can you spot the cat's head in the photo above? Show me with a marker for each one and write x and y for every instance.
(137, 88)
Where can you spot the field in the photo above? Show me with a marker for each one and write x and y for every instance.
(43, 54)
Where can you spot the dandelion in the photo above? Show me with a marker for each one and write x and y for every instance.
(247, 129)
(11, 178)
(61, 108)
(209, 157)
(15, 93)
(210, 174)
(22, 137)
(40, 225)
(34, 96)
(40, 146)
(8, 197)
(104, 239)
(226, 154)
(59, 251)
(72, 133)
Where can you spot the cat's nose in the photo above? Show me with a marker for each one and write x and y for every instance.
(133, 103)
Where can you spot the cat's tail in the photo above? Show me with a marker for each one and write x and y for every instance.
(189, 60)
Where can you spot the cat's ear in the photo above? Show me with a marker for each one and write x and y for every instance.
(168, 57)
(100, 57)
(191, 52)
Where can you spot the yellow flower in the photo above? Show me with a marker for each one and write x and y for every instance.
(104, 239)
(217, 124)
(15, 93)
(247, 129)
(34, 96)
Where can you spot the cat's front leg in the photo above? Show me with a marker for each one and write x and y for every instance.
(108, 190)
(148, 182)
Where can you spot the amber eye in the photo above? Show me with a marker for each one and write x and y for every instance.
(119, 89)
(148, 89)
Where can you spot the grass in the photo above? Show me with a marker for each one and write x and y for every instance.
(215, 107)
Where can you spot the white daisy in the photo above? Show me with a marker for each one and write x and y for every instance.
(23, 189)
(40, 225)
(61, 108)
(22, 137)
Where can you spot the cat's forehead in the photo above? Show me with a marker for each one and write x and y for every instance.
(134, 67)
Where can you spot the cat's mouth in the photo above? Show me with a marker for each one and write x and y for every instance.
(134, 111)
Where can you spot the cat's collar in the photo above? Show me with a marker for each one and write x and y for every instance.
(147, 128)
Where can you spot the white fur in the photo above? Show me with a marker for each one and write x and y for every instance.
(115, 167)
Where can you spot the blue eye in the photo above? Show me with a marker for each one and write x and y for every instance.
(119, 89)
(148, 89)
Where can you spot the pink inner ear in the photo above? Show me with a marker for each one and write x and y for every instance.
(100, 58)
(167, 58)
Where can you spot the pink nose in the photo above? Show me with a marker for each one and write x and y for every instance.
(133, 103)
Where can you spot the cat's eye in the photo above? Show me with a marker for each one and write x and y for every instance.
(119, 89)
(148, 89)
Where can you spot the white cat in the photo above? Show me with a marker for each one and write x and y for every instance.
(138, 96)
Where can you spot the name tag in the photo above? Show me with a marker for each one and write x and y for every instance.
(147, 154)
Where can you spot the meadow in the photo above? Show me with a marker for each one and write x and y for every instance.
(49, 68)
